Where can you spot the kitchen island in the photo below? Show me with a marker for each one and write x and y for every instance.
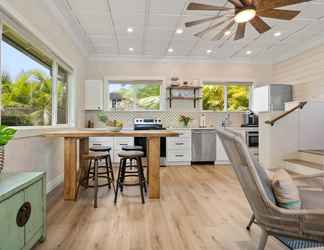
(76, 143)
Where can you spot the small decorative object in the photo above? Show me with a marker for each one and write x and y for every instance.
(6, 134)
(185, 83)
(185, 120)
(174, 79)
(114, 125)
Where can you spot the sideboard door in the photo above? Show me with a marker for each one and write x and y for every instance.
(34, 195)
(11, 235)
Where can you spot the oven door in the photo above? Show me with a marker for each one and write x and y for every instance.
(252, 138)
(141, 141)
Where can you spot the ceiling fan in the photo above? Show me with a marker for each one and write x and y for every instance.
(244, 11)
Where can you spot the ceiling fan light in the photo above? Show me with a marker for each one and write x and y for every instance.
(245, 15)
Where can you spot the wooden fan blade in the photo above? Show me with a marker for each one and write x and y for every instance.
(221, 34)
(236, 3)
(210, 28)
(200, 21)
(200, 6)
(260, 25)
(246, 2)
(279, 14)
(266, 4)
(240, 31)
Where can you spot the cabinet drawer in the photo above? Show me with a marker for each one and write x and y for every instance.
(103, 140)
(123, 141)
(178, 143)
(182, 134)
(11, 236)
(178, 155)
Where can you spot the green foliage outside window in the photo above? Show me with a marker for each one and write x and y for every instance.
(27, 100)
(237, 97)
(213, 97)
(136, 96)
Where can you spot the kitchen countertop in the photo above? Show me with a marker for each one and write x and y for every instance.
(234, 128)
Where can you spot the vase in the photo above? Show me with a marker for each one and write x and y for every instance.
(2, 157)
(183, 124)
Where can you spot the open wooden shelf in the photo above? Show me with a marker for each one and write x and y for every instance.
(194, 98)
(184, 87)
(184, 98)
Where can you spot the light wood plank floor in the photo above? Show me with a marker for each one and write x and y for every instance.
(201, 208)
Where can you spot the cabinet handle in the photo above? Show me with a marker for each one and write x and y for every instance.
(23, 214)
(123, 144)
(179, 155)
(96, 144)
(180, 143)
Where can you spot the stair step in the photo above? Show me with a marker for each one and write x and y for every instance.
(301, 167)
(306, 163)
(314, 152)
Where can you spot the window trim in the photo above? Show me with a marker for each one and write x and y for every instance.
(162, 79)
(56, 63)
(225, 84)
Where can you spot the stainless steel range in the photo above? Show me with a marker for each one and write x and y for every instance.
(149, 124)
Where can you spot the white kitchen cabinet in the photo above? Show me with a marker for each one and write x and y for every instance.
(94, 95)
(178, 149)
(221, 156)
(120, 142)
(116, 144)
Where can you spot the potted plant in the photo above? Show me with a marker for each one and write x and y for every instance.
(185, 120)
(6, 134)
(113, 125)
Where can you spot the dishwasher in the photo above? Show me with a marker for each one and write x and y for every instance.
(203, 145)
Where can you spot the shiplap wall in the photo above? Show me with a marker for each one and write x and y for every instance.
(305, 71)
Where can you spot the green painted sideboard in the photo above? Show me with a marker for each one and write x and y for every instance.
(22, 210)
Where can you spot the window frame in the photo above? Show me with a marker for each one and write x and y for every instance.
(108, 79)
(225, 84)
(56, 63)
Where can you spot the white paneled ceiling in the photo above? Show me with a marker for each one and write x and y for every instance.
(154, 24)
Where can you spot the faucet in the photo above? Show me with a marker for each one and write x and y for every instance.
(227, 120)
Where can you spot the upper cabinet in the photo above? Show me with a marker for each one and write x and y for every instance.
(94, 95)
(271, 98)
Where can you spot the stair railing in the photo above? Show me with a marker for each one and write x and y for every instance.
(273, 121)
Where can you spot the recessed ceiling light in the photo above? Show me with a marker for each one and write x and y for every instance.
(130, 30)
(228, 32)
(170, 50)
(249, 52)
(209, 51)
(277, 34)
(131, 49)
(179, 31)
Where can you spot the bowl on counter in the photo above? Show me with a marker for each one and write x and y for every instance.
(114, 129)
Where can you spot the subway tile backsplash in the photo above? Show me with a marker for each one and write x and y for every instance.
(169, 118)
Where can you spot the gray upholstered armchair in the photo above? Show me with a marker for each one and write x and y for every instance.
(303, 227)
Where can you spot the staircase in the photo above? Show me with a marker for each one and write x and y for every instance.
(305, 163)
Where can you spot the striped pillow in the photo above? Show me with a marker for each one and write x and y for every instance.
(285, 190)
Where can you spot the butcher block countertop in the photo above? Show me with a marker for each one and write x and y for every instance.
(80, 133)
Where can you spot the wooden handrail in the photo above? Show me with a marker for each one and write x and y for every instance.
(273, 121)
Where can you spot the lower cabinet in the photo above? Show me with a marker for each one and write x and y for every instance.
(221, 156)
(116, 144)
(178, 149)
(22, 210)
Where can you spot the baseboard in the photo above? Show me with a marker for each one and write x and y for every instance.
(54, 183)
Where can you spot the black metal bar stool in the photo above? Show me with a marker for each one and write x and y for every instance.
(123, 173)
(107, 171)
(94, 157)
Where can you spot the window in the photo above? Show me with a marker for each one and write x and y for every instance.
(62, 87)
(226, 97)
(134, 95)
(27, 84)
